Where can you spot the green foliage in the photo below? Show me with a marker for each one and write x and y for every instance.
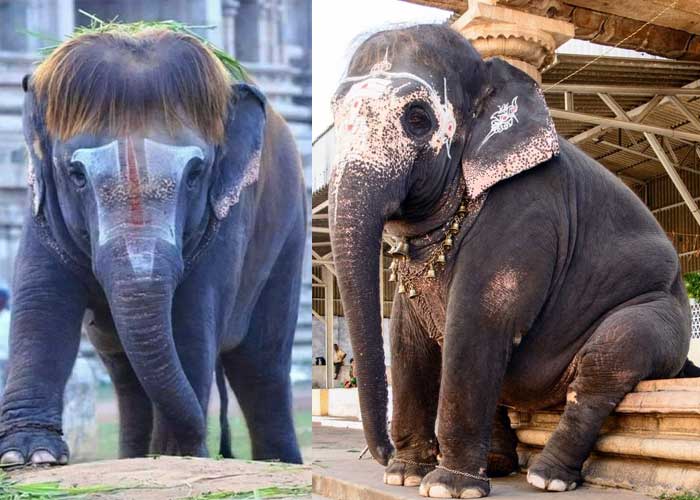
(268, 492)
(12, 490)
(692, 284)
(680, 496)
(97, 25)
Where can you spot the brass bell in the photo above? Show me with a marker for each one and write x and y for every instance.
(462, 209)
(393, 264)
(412, 293)
(392, 277)
(402, 289)
(431, 272)
(441, 258)
(448, 242)
(455, 226)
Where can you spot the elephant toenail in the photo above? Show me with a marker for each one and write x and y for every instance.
(412, 480)
(572, 486)
(423, 489)
(393, 479)
(557, 485)
(63, 460)
(43, 457)
(12, 458)
(439, 491)
(536, 481)
(472, 493)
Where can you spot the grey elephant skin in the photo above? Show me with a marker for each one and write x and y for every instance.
(177, 251)
(531, 275)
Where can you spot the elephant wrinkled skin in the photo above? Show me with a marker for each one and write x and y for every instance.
(168, 219)
(532, 276)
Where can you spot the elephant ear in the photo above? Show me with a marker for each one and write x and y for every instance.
(38, 145)
(238, 160)
(512, 130)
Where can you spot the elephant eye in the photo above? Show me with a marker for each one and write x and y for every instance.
(417, 120)
(76, 172)
(195, 167)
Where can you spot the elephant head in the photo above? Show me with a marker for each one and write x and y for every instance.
(418, 115)
(139, 145)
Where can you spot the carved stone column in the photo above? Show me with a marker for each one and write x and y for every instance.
(264, 28)
(229, 9)
(526, 41)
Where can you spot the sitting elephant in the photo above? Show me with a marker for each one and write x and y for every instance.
(528, 275)
(168, 219)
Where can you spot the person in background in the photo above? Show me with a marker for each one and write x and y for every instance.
(352, 381)
(338, 359)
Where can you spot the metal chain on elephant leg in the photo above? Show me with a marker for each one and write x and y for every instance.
(478, 477)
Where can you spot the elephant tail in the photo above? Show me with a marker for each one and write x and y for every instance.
(225, 440)
(689, 370)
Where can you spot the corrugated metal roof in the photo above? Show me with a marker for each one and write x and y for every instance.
(622, 71)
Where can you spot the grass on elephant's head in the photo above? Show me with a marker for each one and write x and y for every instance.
(98, 25)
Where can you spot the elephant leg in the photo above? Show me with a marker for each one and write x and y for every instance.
(135, 407)
(48, 307)
(415, 374)
(258, 368)
(631, 344)
(502, 457)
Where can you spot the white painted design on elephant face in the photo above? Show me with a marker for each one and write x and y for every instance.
(501, 292)
(136, 193)
(369, 130)
(572, 397)
(502, 119)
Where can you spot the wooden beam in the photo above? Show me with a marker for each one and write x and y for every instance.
(673, 174)
(637, 114)
(578, 88)
(686, 112)
(616, 123)
(569, 101)
(321, 206)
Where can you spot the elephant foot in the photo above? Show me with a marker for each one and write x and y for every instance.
(501, 464)
(550, 476)
(406, 472)
(36, 447)
(445, 483)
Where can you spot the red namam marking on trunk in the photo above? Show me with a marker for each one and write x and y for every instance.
(134, 185)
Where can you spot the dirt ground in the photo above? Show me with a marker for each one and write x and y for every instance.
(169, 478)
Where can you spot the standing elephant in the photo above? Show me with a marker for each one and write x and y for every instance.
(528, 275)
(168, 219)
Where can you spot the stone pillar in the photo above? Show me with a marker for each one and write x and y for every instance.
(276, 43)
(264, 31)
(230, 9)
(526, 41)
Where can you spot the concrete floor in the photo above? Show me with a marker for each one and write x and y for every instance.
(338, 474)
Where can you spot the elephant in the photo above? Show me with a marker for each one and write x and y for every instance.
(167, 221)
(527, 274)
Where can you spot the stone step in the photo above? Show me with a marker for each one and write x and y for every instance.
(651, 443)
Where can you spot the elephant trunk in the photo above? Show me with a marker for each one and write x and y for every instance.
(356, 235)
(139, 278)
